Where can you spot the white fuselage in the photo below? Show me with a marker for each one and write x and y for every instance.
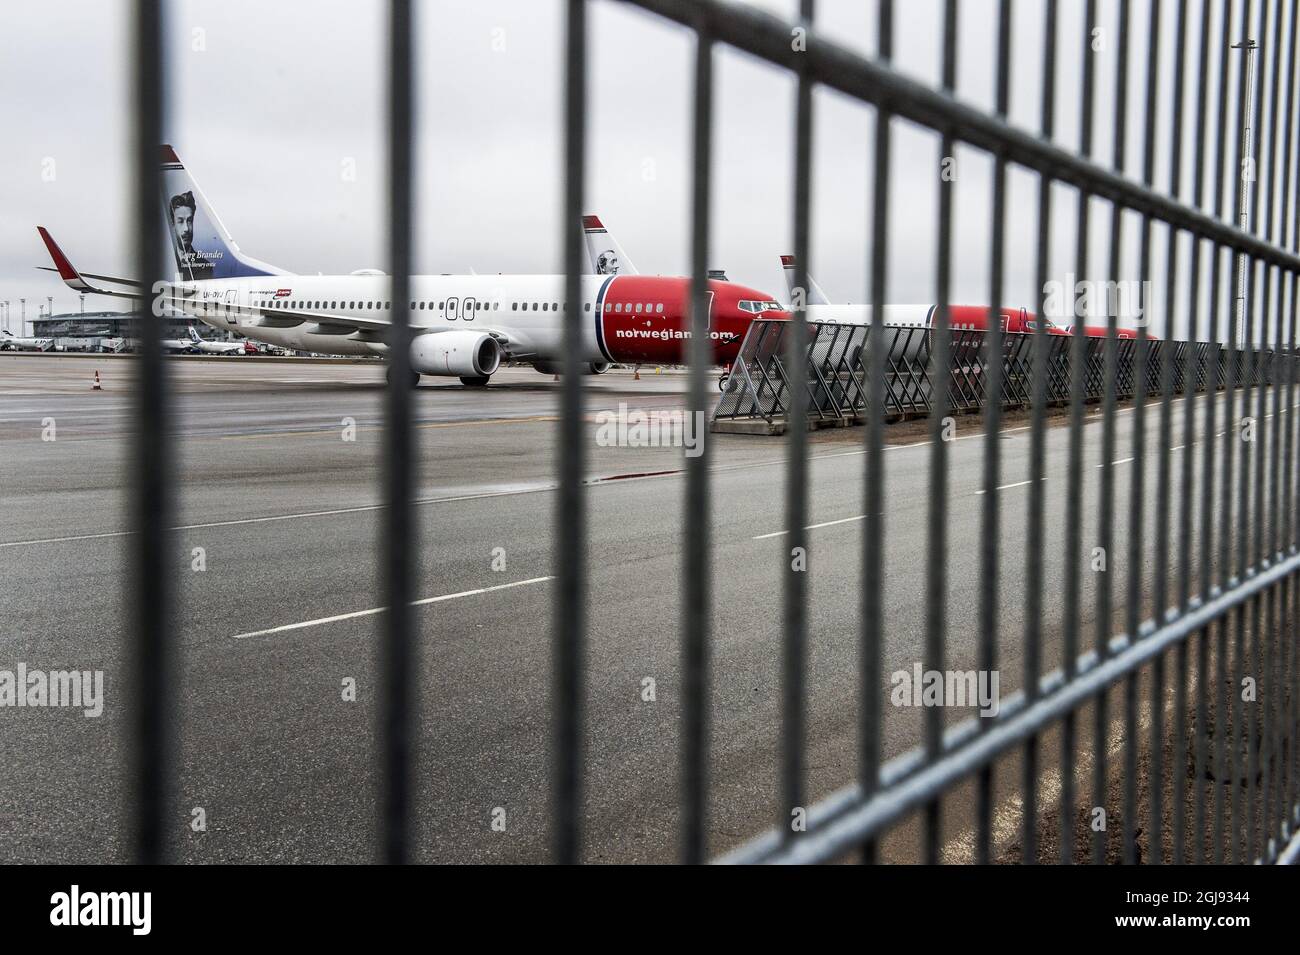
(22, 343)
(217, 348)
(895, 316)
(525, 308)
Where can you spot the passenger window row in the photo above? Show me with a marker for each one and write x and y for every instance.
(639, 308)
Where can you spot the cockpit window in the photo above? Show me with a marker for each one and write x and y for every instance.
(756, 307)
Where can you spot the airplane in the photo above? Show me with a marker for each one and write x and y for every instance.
(605, 254)
(960, 317)
(11, 342)
(206, 347)
(465, 326)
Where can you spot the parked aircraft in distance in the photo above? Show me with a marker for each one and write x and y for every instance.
(960, 317)
(11, 342)
(206, 347)
(465, 325)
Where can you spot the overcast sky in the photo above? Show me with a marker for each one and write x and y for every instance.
(273, 102)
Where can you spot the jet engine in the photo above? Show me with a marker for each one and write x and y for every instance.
(455, 354)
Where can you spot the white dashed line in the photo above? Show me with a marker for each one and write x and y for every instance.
(376, 610)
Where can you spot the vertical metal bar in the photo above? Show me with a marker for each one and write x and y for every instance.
(1105, 511)
(873, 541)
(1074, 480)
(1245, 539)
(696, 582)
(570, 610)
(1137, 504)
(1284, 739)
(400, 544)
(937, 507)
(1231, 436)
(1264, 637)
(152, 660)
(1211, 441)
(795, 611)
(1291, 473)
(1187, 505)
(1165, 464)
(990, 526)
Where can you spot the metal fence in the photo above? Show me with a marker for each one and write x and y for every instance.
(1243, 585)
(757, 385)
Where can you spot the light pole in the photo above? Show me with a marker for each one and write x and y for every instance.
(22, 316)
(1247, 177)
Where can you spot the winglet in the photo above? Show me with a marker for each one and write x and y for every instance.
(77, 280)
(71, 277)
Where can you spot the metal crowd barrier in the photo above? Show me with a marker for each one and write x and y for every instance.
(756, 386)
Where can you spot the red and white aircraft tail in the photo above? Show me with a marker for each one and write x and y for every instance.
(815, 294)
(604, 254)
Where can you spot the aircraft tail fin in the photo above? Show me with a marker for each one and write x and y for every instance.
(203, 247)
(815, 294)
(605, 255)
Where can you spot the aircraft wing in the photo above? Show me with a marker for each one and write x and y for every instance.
(363, 328)
(78, 281)
(328, 322)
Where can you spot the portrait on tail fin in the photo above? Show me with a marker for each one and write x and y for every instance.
(181, 210)
(607, 263)
(203, 247)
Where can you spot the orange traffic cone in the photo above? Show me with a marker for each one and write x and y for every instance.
(636, 373)
(96, 386)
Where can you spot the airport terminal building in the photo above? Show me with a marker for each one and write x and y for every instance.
(83, 331)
